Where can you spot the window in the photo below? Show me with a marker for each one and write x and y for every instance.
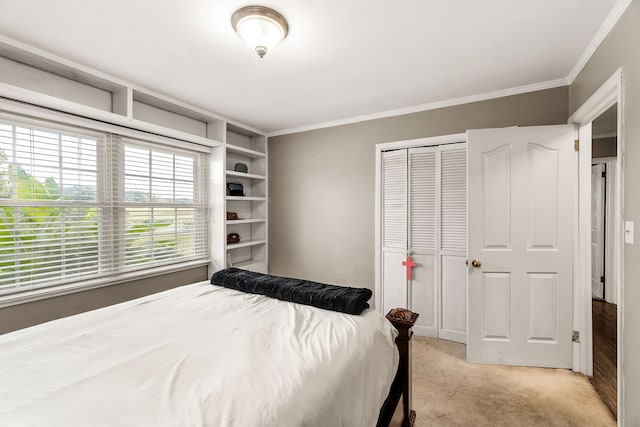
(77, 205)
(160, 206)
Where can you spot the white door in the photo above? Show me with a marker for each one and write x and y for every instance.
(597, 230)
(423, 197)
(422, 238)
(521, 220)
(453, 242)
(409, 229)
(394, 229)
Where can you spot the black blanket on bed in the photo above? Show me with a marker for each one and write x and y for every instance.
(330, 297)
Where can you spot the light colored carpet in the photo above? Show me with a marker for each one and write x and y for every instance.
(447, 391)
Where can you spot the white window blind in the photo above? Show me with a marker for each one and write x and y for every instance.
(161, 204)
(76, 205)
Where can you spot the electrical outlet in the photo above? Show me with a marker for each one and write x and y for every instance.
(628, 232)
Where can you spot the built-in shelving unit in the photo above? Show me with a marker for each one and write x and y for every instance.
(30, 75)
(250, 149)
(68, 92)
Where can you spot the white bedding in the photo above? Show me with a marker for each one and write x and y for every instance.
(199, 355)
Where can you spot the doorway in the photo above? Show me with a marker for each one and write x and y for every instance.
(603, 259)
(608, 96)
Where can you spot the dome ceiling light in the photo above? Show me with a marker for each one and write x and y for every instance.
(260, 27)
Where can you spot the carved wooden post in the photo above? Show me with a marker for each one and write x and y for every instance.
(403, 320)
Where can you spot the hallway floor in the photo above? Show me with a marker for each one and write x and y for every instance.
(447, 391)
(605, 359)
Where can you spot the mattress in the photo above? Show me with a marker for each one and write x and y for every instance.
(199, 355)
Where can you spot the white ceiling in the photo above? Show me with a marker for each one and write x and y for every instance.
(342, 58)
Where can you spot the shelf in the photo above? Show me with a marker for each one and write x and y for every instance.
(245, 146)
(173, 133)
(245, 221)
(245, 151)
(42, 60)
(245, 244)
(248, 264)
(248, 198)
(245, 175)
(174, 106)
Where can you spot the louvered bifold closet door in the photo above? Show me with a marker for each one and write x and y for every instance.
(423, 202)
(453, 247)
(394, 229)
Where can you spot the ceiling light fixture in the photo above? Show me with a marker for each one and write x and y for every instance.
(260, 27)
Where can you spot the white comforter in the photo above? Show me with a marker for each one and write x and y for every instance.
(199, 355)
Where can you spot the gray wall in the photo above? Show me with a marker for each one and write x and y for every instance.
(321, 182)
(620, 49)
(29, 314)
(604, 147)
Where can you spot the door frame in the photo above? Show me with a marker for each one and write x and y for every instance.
(388, 146)
(603, 218)
(611, 238)
(605, 97)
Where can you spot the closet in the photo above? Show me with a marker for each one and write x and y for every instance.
(422, 253)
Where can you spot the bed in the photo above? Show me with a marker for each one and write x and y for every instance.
(201, 355)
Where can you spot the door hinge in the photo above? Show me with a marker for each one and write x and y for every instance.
(604, 174)
(601, 279)
(575, 337)
(576, 145)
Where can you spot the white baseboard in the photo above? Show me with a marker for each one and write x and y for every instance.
(455, 336)
(425, 331)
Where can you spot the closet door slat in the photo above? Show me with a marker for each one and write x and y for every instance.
(453, 210)
(423, 200)
(394, 199)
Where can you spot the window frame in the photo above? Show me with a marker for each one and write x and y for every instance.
(199, 203)
(109, 141)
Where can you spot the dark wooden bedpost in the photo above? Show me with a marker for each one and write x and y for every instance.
(403, 320)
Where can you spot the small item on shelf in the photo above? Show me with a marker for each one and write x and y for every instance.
(233, 238)
(229, 263)
(235, 189)
(241, 167)
(232, 216)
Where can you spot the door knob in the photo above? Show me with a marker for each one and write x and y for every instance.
(476, 263)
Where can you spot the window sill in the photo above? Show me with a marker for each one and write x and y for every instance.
(60, 290)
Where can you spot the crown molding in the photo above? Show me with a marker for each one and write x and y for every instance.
(603, 32)
(429, 106)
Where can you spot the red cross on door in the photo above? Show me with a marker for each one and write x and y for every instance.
(409, 263)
